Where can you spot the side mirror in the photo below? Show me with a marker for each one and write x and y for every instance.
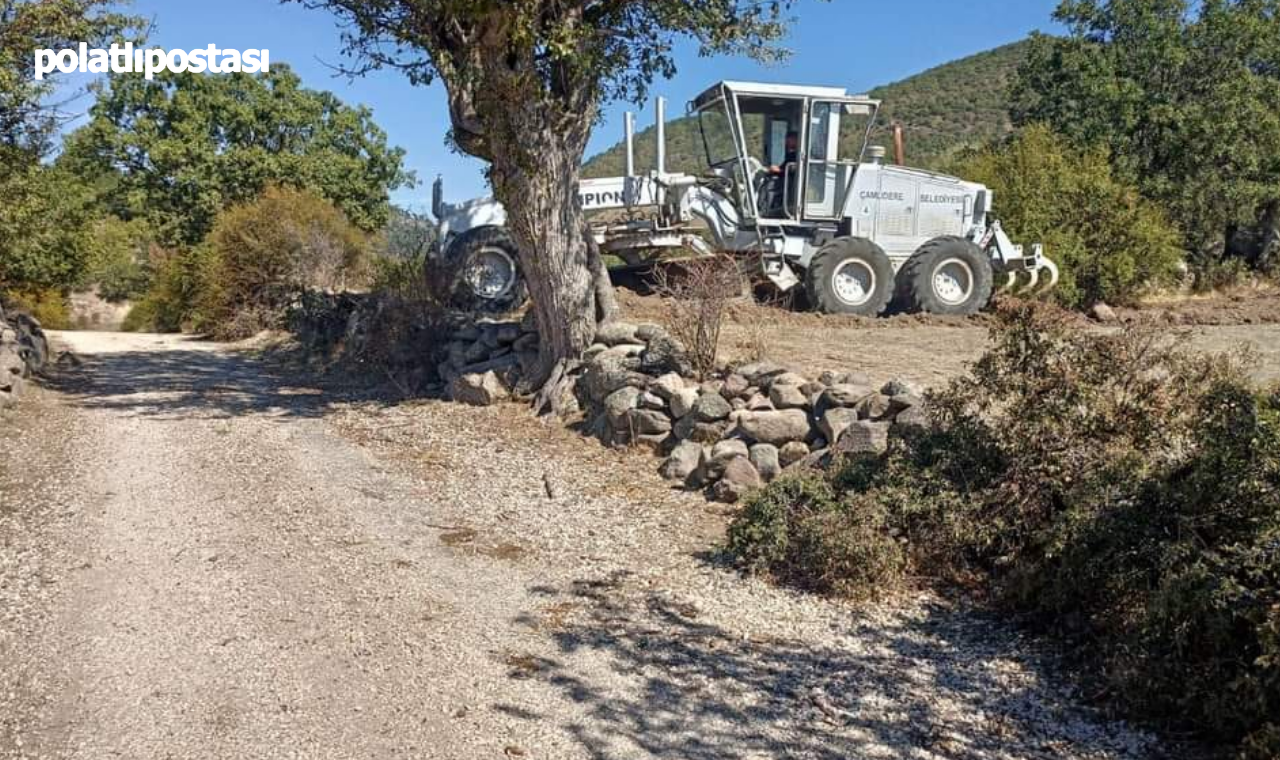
(437, 198)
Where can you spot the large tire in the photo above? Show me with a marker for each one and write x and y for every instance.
(480, 272)
(850, 276)
(948, 275)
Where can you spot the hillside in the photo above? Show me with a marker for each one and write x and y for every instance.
(943, 109)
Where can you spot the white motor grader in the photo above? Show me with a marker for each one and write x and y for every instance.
(791, 186)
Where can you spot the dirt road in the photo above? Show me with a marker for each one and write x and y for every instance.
(202, 559)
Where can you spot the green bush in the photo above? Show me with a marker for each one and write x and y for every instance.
(117, 256)
(272, 249)
(1112, 244)
(1123, 490)
(184, 293)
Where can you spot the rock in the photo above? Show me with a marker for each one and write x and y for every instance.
(606, 374)
(721, 454)
(843, 394)
(836, 420)
(902, 402)
(624, 350)
(649, 331)
(507, 333)
(754, 371)
(735, 385)
(812, 388)
(616, 333)
(656, 442)
(711, 407)
(648, 422)
(765, 458)
(818, 459)
(738, 404)
(759, 403)
(650, 400)
(1100, 312)
(619, 403)
(739, 479)
(664, 354)
(855, 378)
(913, 420)
(874, 407)
(668, 385)
(478, 389)
(900, 387)
(688, 428)
(682, 402)
(792, 452)
(468, 333)
(787, 396)
(594, 350)
(776, 427)
(476, 352)
(784, 378)
(863, 437)
(684, 460)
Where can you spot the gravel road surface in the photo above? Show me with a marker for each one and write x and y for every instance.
(201, 557)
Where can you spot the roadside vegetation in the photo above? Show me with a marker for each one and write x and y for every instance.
(1121, 492)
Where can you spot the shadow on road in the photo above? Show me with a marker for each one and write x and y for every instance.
(936, 681)
(192, 383)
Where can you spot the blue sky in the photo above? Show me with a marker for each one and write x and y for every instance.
(852, 43)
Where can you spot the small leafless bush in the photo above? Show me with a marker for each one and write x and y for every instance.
(698, 294)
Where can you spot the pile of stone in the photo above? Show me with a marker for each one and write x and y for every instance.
(728, 435)
(485, 360)
(24, 349)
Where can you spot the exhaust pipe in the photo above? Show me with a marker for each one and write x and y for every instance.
(630, 126)
(899, 146)
(662, 137)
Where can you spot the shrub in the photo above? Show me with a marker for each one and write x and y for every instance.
(1122, 489)
(184, 292)
(1112, 244)
(274, 248)
(117, 257)
(697, 294)
(49, 305)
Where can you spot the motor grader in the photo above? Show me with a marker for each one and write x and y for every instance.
(794, 188)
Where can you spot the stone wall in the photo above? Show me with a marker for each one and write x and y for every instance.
(23, 352)
(727, 435)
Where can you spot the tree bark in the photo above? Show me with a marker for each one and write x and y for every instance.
(545, 217)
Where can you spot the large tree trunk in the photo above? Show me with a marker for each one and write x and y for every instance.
(546, 219)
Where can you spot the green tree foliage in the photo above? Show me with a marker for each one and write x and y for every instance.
(1184, 96)
(117, 257)
(1122, 489)
(180, 148)
(42, 209)
(943, 110)
(1110, 241)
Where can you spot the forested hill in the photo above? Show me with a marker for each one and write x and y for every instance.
(943, 109)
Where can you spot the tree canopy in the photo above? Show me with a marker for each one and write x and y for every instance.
(40, 207)
(1186, 97)
(178, 149)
